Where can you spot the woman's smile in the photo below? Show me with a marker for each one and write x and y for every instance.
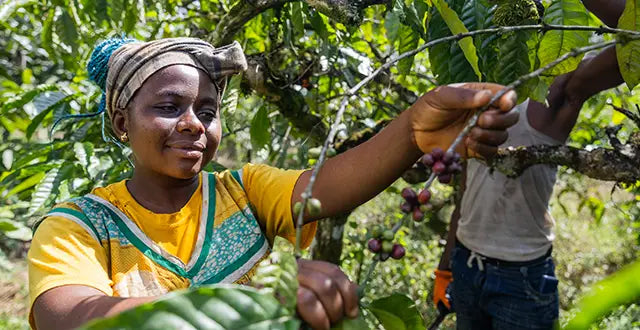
(188, 149)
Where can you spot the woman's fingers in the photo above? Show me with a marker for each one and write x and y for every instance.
(484, 150)
(325, 290)
(347, 289)
(311, 309)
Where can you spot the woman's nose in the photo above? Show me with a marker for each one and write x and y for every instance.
(189, 122)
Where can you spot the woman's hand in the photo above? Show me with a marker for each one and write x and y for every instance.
(438, 117)
(325, 294)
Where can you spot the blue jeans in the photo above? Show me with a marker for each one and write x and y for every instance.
(499, 296)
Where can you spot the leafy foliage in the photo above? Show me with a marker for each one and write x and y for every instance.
(629, 53)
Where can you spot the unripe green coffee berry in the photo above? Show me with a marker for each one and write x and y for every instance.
(314, 152)
(314, 207)
(297, 207)
(387, 247)
(376, 231)
(388, 235)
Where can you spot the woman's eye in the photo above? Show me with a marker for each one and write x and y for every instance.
(208, 114)
(167, 108)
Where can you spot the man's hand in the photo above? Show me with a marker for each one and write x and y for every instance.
(439, 116)
(443, 279)
(325, 294)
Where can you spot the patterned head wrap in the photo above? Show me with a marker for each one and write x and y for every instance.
(131, 63)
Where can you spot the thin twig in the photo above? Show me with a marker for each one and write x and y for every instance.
(634, 117)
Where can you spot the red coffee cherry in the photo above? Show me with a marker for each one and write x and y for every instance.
(397, 252)
(417, 215)
(439, 167)
(447, 158)
(437, 153)
(424, 196)
(427, 160)
(444, 178)
(405, 207)
(410, 196)
(375, 245)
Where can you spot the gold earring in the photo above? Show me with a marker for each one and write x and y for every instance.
(124, 137)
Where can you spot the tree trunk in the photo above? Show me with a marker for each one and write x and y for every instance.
(328, 243)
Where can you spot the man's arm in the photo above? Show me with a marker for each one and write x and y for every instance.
(608, 11)
(568, 93)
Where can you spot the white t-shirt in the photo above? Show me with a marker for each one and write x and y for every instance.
(504, 218)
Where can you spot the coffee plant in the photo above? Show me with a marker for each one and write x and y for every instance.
(324, 76)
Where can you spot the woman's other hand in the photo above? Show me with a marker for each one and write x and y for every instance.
(325, 294)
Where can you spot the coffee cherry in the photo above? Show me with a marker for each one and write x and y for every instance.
(447, 158)
(427, 160)
(397, 252)
(454, 168)
(374, 245)
(444, 178)
(437, 153)
(314, 207)
(388, 235)
(376, 231)
(439, 167)
(406, 207)
(387, 247)
(297, 207)
(417, 215)
(456, 157)
(410, 196)
(331, 152)
(383, 256)
(424, 196)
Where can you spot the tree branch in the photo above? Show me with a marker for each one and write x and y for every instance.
(600, 163)
(634, 117)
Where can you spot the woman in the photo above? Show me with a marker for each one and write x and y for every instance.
(171, 225)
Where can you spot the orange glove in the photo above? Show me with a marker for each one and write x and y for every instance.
(443, 279)
(439, 115)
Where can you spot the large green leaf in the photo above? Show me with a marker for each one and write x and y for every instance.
(26, 184)
(629, 53)
(408, 41)
(26, 97)
(513, 60)
(43, 191)
(319, 25)
(67, 30)
(456, 26)
(556, 43)
(207, 307)
(260, 135)
(397, 312)
(278, 275)
(621, 288)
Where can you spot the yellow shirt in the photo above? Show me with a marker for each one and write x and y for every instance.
(106, 240)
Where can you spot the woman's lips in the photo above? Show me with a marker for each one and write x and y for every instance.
(188, 149)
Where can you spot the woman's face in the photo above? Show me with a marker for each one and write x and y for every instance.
(173, 122)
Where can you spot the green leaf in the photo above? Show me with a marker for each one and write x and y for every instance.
(67, 30)
(35, 122)
(130, 17)
(392, 27)
(408, 41)
(397, 312)
(278, 276)
(359, 323)
(557, 43)
(456, 26)
(413, 20)
(24, 98)
(319, 25)
(9, 7)
(7, 158)
(259, 129)
(629, 53)
(43, 191)
(439, 54)
(83, 152)
(513, 60)
(619, 289)
(297, 17)
(26, 184)
(47, 32)
(208, 307)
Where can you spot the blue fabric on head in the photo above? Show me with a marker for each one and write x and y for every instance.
(98, 66)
